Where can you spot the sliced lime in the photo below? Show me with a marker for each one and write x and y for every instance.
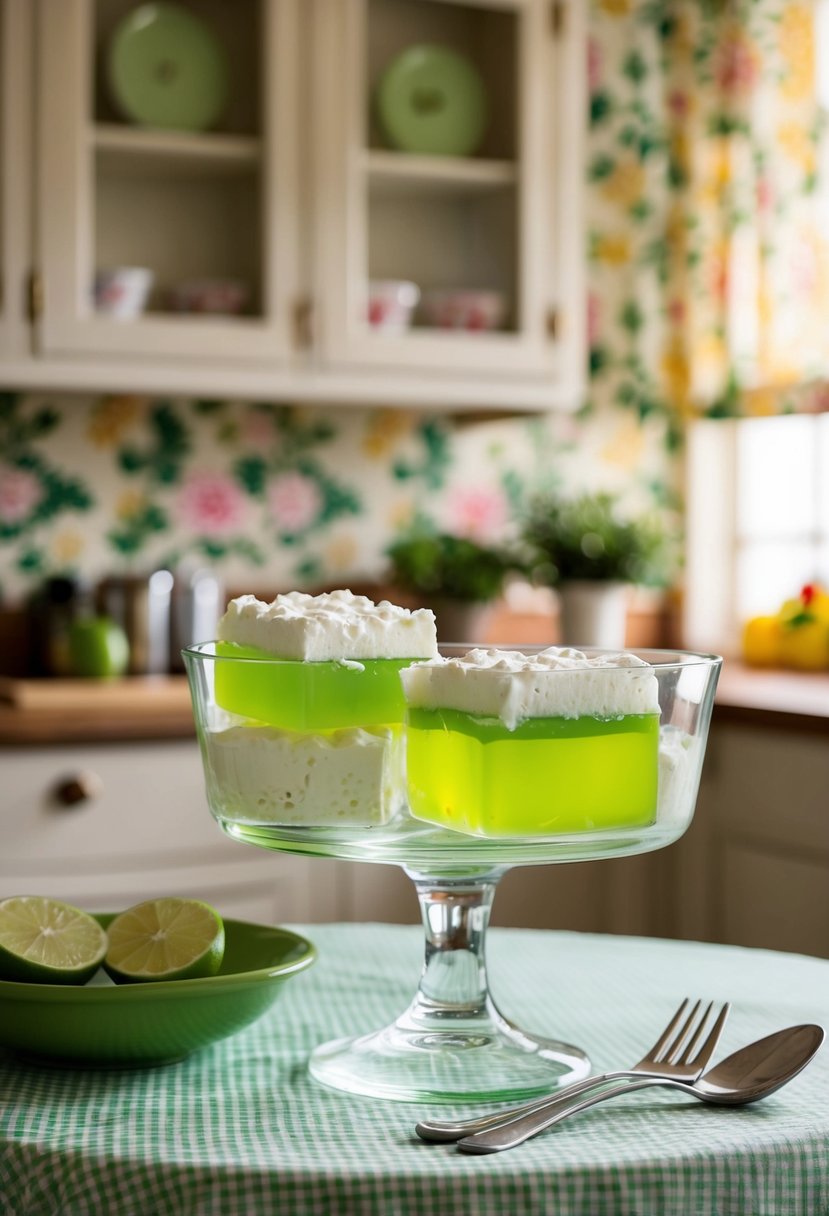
(165, 939)
(44, 941)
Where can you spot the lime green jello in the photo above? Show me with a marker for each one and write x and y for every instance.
(545, 777)
(308, 663)
(302, 696)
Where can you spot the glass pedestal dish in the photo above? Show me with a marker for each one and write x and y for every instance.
(451, 1043)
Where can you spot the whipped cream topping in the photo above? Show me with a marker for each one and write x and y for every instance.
(556, 682)
(336, 625)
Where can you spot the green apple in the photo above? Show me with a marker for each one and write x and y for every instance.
(98, 647)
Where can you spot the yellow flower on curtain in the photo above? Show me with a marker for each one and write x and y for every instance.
(676, 373)
(611, 249)
(797, 143)
(626, 184)
(797, 51)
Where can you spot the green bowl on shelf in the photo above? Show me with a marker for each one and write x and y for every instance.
(137, 1025)
(431, 100)
(167, 69)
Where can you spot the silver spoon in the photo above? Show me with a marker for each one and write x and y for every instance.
(748, 1075)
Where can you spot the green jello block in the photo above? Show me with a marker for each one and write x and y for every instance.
(302, 696)
(547, 777)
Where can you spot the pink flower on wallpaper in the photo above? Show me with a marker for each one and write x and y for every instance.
(295, 501)
(20, 492)
(211, 504)
(479, 513)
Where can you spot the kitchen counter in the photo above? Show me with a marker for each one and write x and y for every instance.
(158, 707)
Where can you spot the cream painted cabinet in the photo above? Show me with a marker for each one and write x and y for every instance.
(105, 826)
(15, 178)
(753, 868)
(298, 201)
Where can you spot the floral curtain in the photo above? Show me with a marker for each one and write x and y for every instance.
(709, 221)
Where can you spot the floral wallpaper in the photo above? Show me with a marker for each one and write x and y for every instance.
(707, 214)
(274, 496)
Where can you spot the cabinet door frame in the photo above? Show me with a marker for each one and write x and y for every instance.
(16, 120)
(68, 325)
(548, 166)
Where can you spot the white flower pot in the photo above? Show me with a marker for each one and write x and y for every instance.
(593, 614)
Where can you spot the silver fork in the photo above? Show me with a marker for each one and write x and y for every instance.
(670, 1056)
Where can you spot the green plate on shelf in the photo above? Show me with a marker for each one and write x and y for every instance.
(101, 1024)
(167, 69)
(432, 100)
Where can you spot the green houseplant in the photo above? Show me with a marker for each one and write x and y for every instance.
(590, 552)
(457, 577)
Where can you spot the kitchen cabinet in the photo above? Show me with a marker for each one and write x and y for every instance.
(753, 869)
(15, 178)
(105, 826)
(296, 194)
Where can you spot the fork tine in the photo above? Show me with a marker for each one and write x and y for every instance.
(695, 1037)
(709, 1046)
(656, 1051)
(673, 1048)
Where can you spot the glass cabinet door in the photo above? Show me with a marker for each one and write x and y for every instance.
(168, 182)
(444, 174)
(15, 177)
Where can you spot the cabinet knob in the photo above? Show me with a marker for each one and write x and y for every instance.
(77, 789)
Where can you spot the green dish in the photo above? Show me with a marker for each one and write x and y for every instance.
(432, 100)
(167, 69)
(133, 1025)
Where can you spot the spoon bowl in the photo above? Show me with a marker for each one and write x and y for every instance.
(752, 1073)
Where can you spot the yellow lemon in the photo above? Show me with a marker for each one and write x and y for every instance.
(761, 641)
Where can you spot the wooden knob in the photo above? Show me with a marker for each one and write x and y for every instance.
(77, 789)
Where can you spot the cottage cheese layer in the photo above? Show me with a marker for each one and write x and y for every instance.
(258, 774)
(334, 626)
(558, 682)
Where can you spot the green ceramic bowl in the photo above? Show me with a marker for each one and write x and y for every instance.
(131, 1025)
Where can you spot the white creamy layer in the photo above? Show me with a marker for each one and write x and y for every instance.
(556, 682)
(335, 625)
(263, 775)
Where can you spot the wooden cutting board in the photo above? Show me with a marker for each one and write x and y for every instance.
(136, 694)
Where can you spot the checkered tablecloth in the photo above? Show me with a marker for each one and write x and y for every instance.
(240, 1128)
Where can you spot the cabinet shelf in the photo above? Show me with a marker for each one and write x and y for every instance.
(391, 173)
(135, 151)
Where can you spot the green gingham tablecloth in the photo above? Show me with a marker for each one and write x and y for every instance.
(240, 1128)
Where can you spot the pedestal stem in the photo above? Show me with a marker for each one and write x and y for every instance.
(453, 984)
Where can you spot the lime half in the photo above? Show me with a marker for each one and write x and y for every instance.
(43, 941)
(165, 939)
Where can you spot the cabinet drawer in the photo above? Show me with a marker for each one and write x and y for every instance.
(145, 805)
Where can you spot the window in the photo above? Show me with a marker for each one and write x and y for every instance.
(758, 520)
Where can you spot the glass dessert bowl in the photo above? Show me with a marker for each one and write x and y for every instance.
(522, 756)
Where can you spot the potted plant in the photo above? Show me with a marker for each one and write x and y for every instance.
(457, 577)
(590, 553)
